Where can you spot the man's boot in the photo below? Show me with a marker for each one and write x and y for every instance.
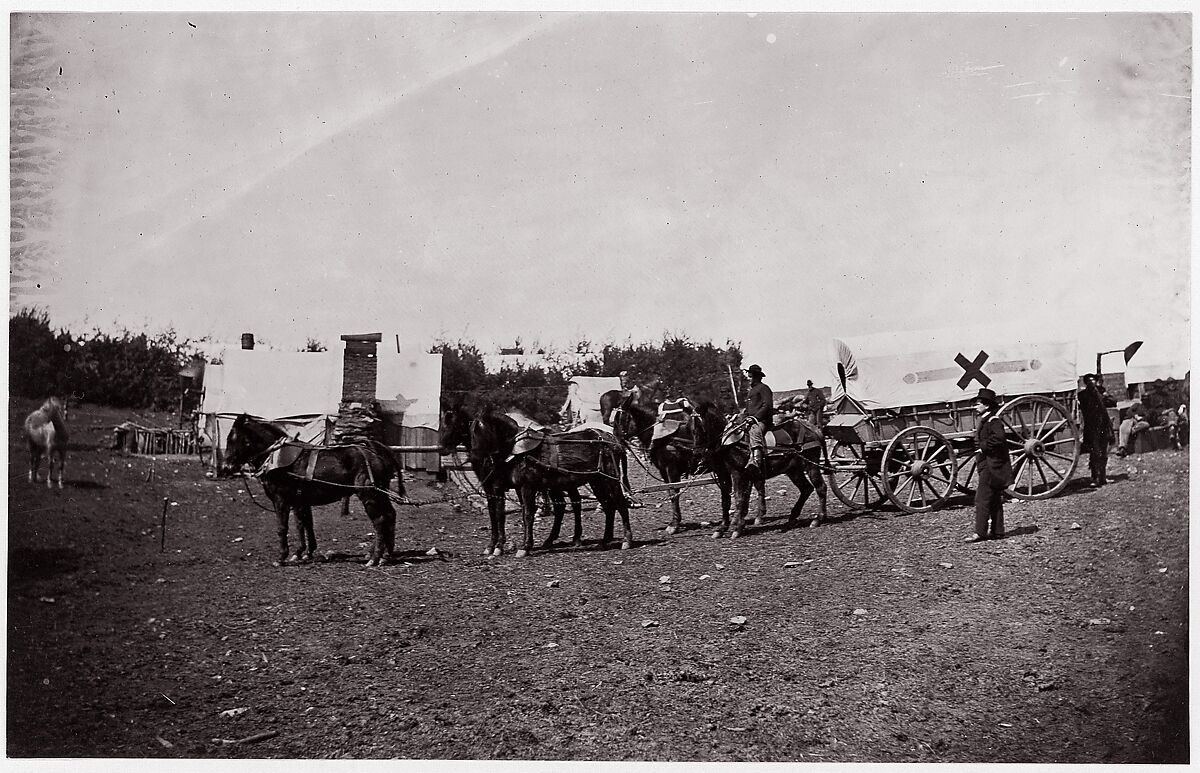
(755, 462)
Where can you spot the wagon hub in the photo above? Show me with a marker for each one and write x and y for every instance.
(919, 469)
(1035, 448)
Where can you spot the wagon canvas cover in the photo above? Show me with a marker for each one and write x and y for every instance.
(893, 370)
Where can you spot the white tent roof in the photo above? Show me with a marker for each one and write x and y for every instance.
(891, 370)
(276, 385)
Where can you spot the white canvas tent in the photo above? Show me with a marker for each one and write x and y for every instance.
(583, 398)
(303, 390)
(892, 370)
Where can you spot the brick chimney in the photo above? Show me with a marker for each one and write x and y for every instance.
(360, 370)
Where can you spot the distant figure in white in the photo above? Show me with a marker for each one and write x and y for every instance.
(46, 431)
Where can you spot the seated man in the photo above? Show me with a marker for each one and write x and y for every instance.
(760, 407)
(1133, 424)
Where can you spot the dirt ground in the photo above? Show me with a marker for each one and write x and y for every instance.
(880, 637)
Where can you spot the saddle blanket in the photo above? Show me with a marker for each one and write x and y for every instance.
(672, 415)
(529, 439)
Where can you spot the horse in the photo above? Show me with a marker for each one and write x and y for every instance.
(302, 475)
(798, 457)
(489, 438)
(641, 393)
(46, 431)
(675, 451)
(567, 460)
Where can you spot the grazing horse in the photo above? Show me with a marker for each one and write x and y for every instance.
(46, 431)
(796, 455)
(673, 445)
(564, 460)
(489, 438)
(297, 476)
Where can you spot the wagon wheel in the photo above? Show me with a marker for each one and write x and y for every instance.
(918, 469)
(850, 479)
(1043, 443)
(967, 479)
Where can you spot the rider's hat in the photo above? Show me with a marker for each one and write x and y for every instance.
(754, 370)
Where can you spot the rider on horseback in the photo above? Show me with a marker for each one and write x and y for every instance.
(760, 408)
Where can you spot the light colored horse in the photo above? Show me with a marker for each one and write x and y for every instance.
(46, 431)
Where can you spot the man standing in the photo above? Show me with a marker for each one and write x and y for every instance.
(1097, 429)
(995, 469)
(815, 402)
(760, 406)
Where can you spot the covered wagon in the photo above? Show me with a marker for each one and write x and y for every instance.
(903, 429)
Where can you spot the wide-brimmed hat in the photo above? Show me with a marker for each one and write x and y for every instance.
(986, 396)
(754, 370)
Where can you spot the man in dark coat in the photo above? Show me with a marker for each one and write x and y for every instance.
(760, 406)
(815, 400)
(1097, 429)
(995, 469)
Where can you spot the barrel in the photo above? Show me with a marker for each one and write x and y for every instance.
(247, 340)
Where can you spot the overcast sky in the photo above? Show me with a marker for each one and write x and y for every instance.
(774, 179)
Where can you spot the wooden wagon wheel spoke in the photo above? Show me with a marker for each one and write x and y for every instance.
(1060, 442)
(1057, 455)
(1042, 433)
(849, 478)
(1045, 463)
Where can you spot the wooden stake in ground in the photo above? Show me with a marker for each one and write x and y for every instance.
(162, 527)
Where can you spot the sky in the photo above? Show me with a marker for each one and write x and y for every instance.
(774, 179)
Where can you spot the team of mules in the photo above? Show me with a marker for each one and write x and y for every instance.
(46, 433)
(533, 462)
(296, 476)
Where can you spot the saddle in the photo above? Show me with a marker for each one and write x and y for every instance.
(285, 454)
(550, 446)
(794, 435)
(673, 415)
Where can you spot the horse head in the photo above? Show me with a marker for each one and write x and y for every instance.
(248, 441)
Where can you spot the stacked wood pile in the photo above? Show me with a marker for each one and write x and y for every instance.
(132, 438)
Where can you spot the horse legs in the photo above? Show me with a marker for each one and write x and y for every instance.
(35, 461)
(671, 474)
(559, 506)
(528, 510)
(612, 499)
(577, 506)
(383, 518)
(760, 485)
(62, 458)
(741, 504)
(308, 535)
(282, 513)
(495, 500)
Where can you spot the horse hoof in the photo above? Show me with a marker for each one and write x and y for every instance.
(758, 521)
(626, 546)
(734, 534)
(672, 529)
(372, 563)
(276, 563)
(717, 535)
(522, 553)
(814, 523)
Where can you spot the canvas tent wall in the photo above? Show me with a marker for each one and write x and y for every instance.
(303, 391)
(583, 398)
(893, 370)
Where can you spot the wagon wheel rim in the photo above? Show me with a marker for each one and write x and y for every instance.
(1043, 445)
(919, 470)
(850, 479)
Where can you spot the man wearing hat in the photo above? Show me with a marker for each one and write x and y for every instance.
(815, 401)
(760, 406)
(1097, 429)
(995, 469)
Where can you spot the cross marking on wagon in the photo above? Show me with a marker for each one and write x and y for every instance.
(973, 370)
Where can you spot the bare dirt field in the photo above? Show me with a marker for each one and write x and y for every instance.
(880, 637)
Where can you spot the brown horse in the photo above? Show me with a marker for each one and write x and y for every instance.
(303, 475)
(489, 437)
(798, 458)
(676, 454)
(46, 431)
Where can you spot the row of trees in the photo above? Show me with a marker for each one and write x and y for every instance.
(136, 370)
(680, 365)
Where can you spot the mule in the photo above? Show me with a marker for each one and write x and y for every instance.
(797, 455)
(489, 436)
(673, 445)
(46, 432)
(567, 460)
(296, 476)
